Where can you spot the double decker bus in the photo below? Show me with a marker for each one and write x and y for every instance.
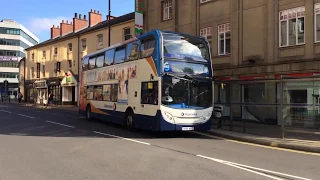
(158, 81)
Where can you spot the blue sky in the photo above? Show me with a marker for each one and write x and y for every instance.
(39, 15)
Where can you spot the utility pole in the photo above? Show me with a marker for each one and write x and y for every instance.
(109, 26)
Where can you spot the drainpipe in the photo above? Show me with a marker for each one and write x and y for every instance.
(176, 28)
(79, 75)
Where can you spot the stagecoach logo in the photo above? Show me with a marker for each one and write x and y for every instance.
(166, 67)
(188, 114)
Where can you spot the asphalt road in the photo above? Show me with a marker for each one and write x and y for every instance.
(59, 144)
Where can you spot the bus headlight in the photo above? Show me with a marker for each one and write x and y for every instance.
(168, 116)
(209, 115)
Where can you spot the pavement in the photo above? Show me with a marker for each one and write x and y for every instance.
(294, 144)
(59, 144)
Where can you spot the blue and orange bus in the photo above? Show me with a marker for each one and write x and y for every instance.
(159, 81)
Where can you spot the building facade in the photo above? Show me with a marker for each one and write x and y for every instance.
(14, 39)
(52, 66)
(265, 54)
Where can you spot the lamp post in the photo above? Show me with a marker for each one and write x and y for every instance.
(109, 30)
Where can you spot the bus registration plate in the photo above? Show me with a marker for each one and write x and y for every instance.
(187, 128)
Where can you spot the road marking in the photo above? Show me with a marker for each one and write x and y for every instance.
(26, 116)
(258, 145)
(253, 169)
(5, 111)
(60, 124)
(122, 138)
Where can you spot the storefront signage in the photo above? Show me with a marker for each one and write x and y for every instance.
(68, 80)
(9, 58)
(40, 84)
(139, 10)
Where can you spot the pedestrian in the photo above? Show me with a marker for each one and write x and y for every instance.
(20, 97)
(50, 98)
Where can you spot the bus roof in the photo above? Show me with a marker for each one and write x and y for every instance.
(155, 31)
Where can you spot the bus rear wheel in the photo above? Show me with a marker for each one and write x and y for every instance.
(88, 113)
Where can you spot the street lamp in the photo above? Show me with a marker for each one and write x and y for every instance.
(109, 30)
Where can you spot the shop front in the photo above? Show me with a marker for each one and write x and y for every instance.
(69, 89)
(54, 88)
(29, 91)
(41, 92)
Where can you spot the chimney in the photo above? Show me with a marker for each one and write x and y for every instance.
(55, 32)
(111, 17)
(65, 28)
(79, 23)
(94, 17)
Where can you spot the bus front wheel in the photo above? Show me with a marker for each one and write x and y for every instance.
(88, 113)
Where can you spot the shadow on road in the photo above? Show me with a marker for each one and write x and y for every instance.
(31, 121)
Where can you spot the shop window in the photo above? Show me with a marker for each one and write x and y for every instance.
(149, 92)
(92, 62)
(147, 47)
(120, 55)
(108, 60)
(100, 61)
(291, 27)
(97, 93)
(132, 51)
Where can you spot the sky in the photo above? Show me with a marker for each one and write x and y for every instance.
(38, 16)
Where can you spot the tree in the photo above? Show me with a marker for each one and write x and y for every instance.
(188, 70)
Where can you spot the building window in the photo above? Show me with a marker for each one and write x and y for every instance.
(32, 72)
(70, 63)
(32, 56)
(38, 70)
(206, 32)
(126, 33)
(317, 22)
(70, 47)
(43, 70)
(84, 44)
(204, 1)
(167, 10)
(291, 31)
(100, 38)
(58, 68)
(55, 52)
(224, 39)
(43, 54)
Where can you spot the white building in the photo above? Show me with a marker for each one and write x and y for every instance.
(14, 38)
